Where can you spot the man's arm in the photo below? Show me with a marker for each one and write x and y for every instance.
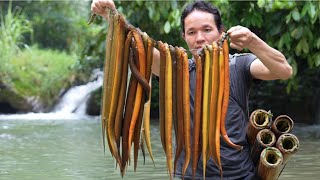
(270, 65)
(99, 7)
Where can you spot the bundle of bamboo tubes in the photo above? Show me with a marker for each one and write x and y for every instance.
(272, 143)
(126, 107)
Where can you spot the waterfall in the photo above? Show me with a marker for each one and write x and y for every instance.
(74, 100)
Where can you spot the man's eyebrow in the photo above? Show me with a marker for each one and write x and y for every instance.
(207, 25)
(203, 26)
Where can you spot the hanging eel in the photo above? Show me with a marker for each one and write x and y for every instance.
(139, 50)
(162, 93)
(205, 105)
(214, 99)
(146, 115)
(127, 117)
(197, 116)
(123, 55)
(115, 88)
(168, 109)
(219, 107)
(180, 121)
(226, 94)
(186, 111)
(106, 83)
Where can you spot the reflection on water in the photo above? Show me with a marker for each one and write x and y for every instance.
(72, 149)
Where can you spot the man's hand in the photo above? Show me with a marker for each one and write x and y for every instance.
(99, 7)
(240, 37)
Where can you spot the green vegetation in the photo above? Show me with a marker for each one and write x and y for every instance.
(41, 52)
(12, 28)
(42, 73)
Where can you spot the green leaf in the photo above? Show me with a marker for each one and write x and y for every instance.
(150, 12)
(298, 48)
(305, 46)
(167, 27)
(261, 3)
(305, 9)
(318, 43)
(285, 40)
(317, 60)
(294, 66)
(296, 15)
(288, 18)
(312, 11)
(297, 32)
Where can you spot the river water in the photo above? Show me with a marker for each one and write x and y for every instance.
(71, 149)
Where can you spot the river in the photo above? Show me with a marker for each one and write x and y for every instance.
(71, 148)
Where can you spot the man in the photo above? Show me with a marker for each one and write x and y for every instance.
(201, 25)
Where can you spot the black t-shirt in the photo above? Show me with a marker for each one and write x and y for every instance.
(235, 164)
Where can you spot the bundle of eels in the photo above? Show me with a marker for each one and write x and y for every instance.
(125, 115)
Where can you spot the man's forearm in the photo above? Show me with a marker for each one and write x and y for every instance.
(274, 60)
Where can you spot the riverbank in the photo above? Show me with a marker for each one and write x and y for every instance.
(36, 77)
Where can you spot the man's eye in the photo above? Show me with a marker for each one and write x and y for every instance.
(207, 30)
(190, 33)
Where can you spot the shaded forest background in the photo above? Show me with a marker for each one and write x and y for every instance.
(57, 31)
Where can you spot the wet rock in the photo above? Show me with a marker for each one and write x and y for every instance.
(94, 103)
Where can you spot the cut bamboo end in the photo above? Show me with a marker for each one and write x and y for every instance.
(270, 164)
(288, 144)
(259, 119)
(281, 125)
(265, 138)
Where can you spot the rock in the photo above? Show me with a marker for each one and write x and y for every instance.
(17, 102)
(94, 103)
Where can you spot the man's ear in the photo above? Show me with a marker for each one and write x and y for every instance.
(183, 36)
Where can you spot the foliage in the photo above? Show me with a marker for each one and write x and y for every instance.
(53, 72)
(13, 25)
(59, 25)
(297, 36)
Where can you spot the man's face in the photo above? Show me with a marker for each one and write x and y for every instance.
(200, 30)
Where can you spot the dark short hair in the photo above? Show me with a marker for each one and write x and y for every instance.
(202, 6)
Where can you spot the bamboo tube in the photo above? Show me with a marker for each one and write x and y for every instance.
(265, 138)
(270, 164)
(288, 144)
(281, 125)
(259, 119)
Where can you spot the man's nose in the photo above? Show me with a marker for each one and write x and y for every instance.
(200, 38)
